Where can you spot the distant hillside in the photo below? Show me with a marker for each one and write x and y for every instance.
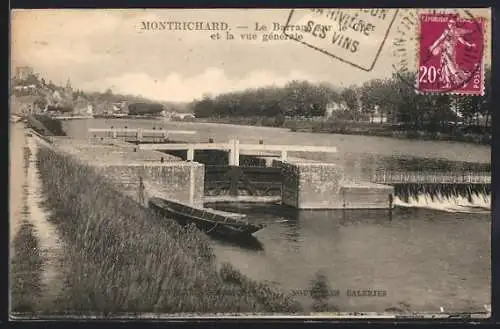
(144, 108)
(34, 92)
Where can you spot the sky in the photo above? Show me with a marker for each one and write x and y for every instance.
(100, 49)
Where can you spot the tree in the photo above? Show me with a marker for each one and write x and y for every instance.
(305, 99)
(473, 107)
(350, 96)
(410, 107)
(297, 98)
(32, 79)
(376, 95)
(204, 108)
(40, 103)
(51, 85)
(439, 112)
(320, 291)
(486, 101)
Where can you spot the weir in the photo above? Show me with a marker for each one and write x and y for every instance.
(466, 177)
(259, 177)
(301, 183)
(437, 185)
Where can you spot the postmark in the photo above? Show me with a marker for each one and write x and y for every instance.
(450, 53)
(353, 36)
(440, 51)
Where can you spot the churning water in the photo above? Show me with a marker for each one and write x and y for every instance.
(477, 204)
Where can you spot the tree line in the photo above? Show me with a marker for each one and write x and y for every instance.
(297, 98)
(393, 100)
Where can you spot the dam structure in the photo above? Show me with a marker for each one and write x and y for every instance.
(296, 182)
(198, 173)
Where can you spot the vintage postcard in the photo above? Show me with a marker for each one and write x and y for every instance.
(227, 163)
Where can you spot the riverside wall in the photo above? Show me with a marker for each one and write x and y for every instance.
(123, 164)
(310, 184)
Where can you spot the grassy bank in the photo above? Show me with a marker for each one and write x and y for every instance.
(45, 125)
(126, 259)
(461, 134)
(356, 128)
(25, 269)
(247, 121)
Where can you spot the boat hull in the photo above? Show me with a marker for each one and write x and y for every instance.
(215, 225)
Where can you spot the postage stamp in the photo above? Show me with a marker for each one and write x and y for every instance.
(450, 54)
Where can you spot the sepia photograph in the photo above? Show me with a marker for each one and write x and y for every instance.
(265, 163)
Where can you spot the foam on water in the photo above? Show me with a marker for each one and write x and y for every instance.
(479, 204)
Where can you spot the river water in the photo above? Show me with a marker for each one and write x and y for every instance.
(426, 256)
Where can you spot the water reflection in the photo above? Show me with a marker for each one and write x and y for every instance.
(420, 257)
(291, 232)
(245, 242)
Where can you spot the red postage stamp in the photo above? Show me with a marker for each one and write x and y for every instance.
(451, 54)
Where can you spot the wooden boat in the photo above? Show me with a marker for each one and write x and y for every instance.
(208, 220)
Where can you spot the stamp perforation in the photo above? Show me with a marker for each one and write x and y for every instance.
(460, 90)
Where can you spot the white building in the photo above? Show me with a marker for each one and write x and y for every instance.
(377, 116)
(23, 72)
(56, 96)
(333, 107)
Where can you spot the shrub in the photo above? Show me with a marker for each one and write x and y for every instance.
(320, 293)
(44, 124)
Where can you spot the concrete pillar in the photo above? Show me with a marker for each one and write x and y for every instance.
(230, 154)
(191, 184)
(283, 155)
(190, 154)
(139, 134)
(236, 153)
(114, 133)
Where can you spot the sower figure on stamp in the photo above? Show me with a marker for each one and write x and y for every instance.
(142, 192)
(446, 45)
